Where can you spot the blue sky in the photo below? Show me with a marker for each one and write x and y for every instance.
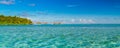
(66, 11)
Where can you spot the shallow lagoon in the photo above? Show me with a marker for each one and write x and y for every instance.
(60, 36)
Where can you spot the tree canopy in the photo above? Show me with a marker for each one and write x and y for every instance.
(14, 20)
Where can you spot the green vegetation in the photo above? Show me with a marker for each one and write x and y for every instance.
(14, 20)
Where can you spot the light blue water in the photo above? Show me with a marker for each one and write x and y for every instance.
(60, 36)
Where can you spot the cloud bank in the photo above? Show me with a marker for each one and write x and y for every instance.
(86, 21)
(7, 2)
(81, 21)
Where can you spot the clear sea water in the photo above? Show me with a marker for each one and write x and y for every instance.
(61, 36)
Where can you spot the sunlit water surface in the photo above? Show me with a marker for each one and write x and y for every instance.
(60, 36)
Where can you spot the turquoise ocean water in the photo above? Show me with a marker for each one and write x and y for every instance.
(61, 36)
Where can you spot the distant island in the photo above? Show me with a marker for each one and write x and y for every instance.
(14, 20)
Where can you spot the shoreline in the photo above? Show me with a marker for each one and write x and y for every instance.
(68, 25)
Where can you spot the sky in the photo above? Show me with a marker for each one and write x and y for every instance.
(65, 11)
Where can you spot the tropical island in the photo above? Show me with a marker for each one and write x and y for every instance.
(14, 20)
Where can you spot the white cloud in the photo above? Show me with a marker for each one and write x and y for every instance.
(87, 21)
(73, 20)
(42, 13)
(45, 12)
(32, 4)
(82, 21)
(72, 5)
(7, 2)
(25, 14)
